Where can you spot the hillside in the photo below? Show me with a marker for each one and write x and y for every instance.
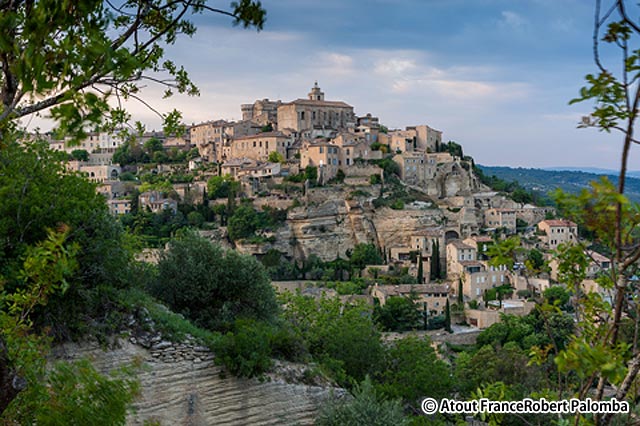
(546, 181)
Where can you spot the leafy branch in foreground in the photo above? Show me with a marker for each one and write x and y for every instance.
(601, 354)
(73, 57)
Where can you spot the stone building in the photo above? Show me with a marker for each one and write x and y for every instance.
(213, 138)
(303, 115)
(156, 202)
(558, 231)
(258, 147)
(500, 218)
(262, 112)
(321, 154)
(415, 138)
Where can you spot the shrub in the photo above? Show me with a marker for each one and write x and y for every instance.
(211, 286)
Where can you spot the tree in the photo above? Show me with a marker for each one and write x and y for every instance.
(222, 186)
(606, 212)
(344, 338)
(211, 286)
(398, 314)
(276, 157)
(420, 270)
(153, 146)
(365, 254)
(366, 408)
(70, 60)
(412, 371)
(243, 223)
(436, 271)
(80, 155)
(447, 317)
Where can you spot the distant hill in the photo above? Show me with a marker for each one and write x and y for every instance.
(594, 170)
(546, 181)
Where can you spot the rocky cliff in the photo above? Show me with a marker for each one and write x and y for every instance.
(180, 385)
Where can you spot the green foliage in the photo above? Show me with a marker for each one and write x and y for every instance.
(504, 252)
(375, 179)
(343, 338)
(38, 195)
(519, 183)
(80, 155)
(453, 148)
(508, 364)
(447, 317)
(68, 49)
(412, 371)
(363, 255)
(557, 295)
(338, 178)
(366, 408)
(247, 351)
(436, 271)
(276, 157)
(75, 394)
(212, 287)
(127, 177)
(398, 314)
(222, 186)
(155, 229)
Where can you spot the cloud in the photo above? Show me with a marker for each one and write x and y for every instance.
(513, 21)
(394, 66)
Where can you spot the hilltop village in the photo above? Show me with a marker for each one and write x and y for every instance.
(336, 203)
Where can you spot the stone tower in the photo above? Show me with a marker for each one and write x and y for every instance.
(316, 94)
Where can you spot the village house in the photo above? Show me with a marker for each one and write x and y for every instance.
(500, 218)
(434, 295)
(415, 138)
(263, 112)
(321, 154)
(156, 202)
(558, 231)
(485, 318)
(213, 138)
(258, 147)
(459, 255)
(98, 174)
(119, 206)
(368, 127)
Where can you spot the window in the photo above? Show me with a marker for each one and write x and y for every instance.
(254, 144)
(301, 115)
(321, 149)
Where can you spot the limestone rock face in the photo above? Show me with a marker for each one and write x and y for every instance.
(180, 385)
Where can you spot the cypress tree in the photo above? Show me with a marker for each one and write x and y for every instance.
(420, 270)
(447, 318)
(460, 297)
(434, 261)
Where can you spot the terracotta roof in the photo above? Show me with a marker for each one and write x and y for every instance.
(275, 134)
(558, 222)
(460, 244)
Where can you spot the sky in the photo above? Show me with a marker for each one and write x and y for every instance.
(493, 75)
